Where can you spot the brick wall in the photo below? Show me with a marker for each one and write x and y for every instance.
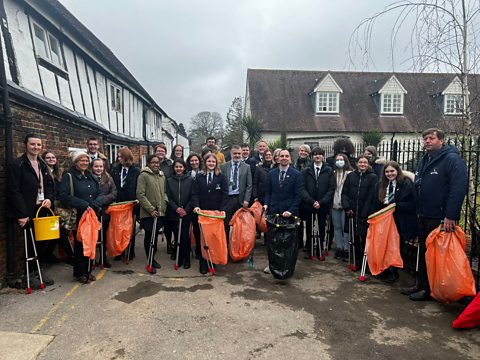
(58, 134)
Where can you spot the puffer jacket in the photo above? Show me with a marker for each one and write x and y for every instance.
(441, 184)
(151, 192)
(356, 192)
(179, 191)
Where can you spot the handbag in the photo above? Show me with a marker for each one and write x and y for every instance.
(68, 215)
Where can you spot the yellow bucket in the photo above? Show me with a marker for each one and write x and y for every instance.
(46, 228)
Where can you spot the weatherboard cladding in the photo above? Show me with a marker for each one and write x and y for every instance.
(282, 99)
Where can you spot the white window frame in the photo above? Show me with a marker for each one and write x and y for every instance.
(392, 103)
(47, 46)
(453, 104)
(112, 151)
(116, 99)
(332, 102)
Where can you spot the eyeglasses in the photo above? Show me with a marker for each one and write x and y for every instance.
(154, 162)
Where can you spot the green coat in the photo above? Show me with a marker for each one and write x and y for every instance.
(151, 192)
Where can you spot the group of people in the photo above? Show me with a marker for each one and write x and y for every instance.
(171, 191)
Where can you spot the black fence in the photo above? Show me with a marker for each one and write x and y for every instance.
(408, 154)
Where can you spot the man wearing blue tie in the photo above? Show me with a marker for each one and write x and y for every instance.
(239, 179)
(284, 188)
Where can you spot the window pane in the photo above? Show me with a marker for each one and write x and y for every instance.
(55, 50)
(327, 102)
(40, 41)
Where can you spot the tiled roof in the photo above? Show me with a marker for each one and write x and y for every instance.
(282, 99)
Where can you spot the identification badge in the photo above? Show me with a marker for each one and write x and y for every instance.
(41, 196)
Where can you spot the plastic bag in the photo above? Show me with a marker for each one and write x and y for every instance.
(470, 317)
(259, 215)
(87, 232)
(282, 245)
(242, 234)
(448, 269)
(212, 235)
(120, 228)
(383, 241)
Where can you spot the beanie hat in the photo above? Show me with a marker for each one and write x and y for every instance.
(76, 155)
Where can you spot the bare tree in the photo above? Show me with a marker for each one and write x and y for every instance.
(205, 124)
(442, 38)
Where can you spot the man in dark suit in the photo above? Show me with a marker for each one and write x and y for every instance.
(239, 178)
(284, 188)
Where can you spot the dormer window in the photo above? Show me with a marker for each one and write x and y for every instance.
(391, 96)
(327, 96)
(392, 103)
(327, 102)
(453, 104)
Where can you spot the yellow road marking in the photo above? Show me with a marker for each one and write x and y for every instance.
(55, 307)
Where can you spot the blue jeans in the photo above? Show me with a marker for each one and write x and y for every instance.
(341, 237)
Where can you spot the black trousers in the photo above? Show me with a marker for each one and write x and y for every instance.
(147, 226)
(184, 254)
(321, 218)
(196, 234)
(232, 206)
(80, 262)
(425, 226)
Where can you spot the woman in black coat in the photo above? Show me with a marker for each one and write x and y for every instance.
(210, 192)
(179, 191)
(356, 192)
(261, 177)
(86, 193)
(126, 189)
(394, 187)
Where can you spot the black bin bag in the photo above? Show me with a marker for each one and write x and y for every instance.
(282, 245)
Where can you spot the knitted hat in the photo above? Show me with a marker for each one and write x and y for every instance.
(76, 155)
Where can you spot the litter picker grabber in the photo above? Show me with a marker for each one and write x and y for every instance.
(314, 242)
(327, 236)
(35, 257)
(364, 266)
(151, 250)
(416, 264)
(100, 242)
(178, 243)
(211, 268)
(351, 248)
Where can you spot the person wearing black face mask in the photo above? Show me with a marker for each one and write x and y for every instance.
(341, 170)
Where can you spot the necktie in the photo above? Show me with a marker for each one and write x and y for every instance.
(391, 193)
(124, 177)
(235, 176)
(210, 178)
(282, 177)
(318, 172)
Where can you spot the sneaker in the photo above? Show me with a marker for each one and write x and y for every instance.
(409, 290)
(421, 295)
(83, 279)
(92, 277)
(267, 270)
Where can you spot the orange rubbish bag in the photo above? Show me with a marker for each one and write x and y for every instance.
(259, 215)
(213, 238)
(448, 269)
(87, 232)
(242, 234)
(120, 228)
(383, 241)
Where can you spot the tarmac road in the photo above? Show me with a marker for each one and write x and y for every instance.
(323, 312)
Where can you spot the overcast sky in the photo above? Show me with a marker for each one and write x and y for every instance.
(193, 55)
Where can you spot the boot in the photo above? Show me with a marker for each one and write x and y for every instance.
(169, 248)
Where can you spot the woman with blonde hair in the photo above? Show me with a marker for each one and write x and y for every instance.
(210, 192)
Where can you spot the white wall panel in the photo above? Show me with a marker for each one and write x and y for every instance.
(73, 80)
(102, 99)
(49, 84)
(87, 99)
(126, 112)
(65, 97)
(93, 90)
(5, 59)
(28, 75)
